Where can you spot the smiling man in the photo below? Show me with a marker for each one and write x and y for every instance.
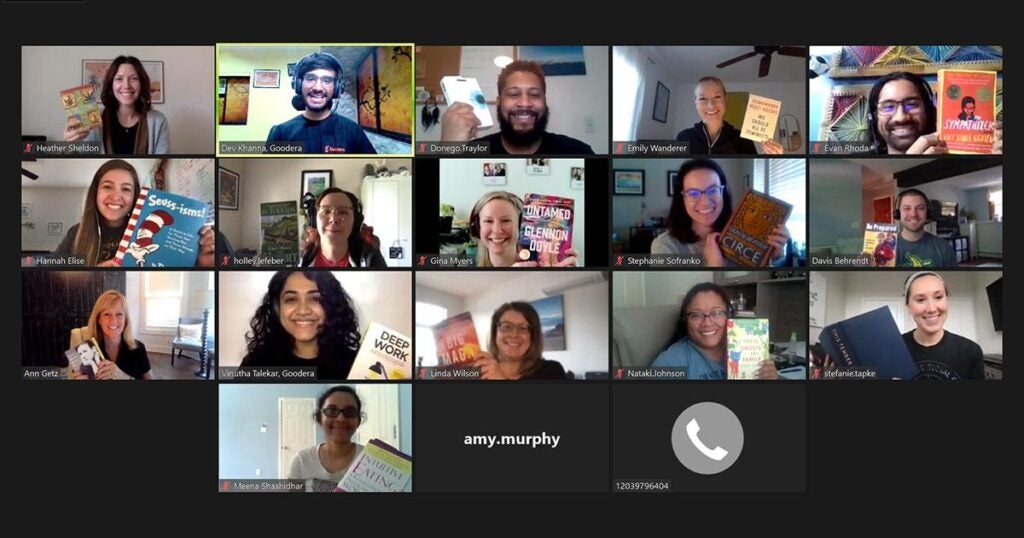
(317, 84)
(916, 247)
(522, 114)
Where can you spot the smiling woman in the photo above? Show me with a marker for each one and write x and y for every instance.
(516, 346)
(339, 412)
(939, 354)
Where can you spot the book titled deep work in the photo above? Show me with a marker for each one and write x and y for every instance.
(384, 354)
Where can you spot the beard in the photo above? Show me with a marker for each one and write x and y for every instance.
(328, 101)
(522, 139)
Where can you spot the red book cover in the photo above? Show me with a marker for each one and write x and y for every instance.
(456, 340)
(546, 233)
(967, 109)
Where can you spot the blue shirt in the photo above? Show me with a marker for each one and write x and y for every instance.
(685, 353)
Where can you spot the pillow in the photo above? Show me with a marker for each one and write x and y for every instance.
(191, 332)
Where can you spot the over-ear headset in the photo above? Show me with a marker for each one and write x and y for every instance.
(474, 215)
(318, 60)
(923, 88)
(927, 203)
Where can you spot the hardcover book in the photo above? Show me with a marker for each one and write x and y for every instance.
(744, 240)
(163, 231)
(545, 235)
(869, 340)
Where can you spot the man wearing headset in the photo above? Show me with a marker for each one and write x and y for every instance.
(317, 84)
(916, 247)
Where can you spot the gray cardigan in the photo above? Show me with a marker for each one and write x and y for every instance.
(159, 134)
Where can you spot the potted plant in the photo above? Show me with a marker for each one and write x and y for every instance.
(447, 215)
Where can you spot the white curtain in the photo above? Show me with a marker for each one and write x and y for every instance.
(628, 84)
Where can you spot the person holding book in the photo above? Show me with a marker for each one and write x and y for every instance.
(495, 223)
(111, 325)
(130, 125)
(915, 247)
(712, 134)
(701, 208)
(339, 412)
(105, 215)
(699, 343)
(937, 352)
(516, 346)
(337, 241)
(306, 319)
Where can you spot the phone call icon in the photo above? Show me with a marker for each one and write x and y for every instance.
(707, 438)
(692, 429)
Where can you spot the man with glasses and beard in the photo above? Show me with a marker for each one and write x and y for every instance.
(522, 115)
(317, 83)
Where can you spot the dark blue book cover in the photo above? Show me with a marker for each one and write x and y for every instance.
(163, 231)
(870, 340)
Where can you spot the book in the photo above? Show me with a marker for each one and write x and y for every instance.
(279, 232)
(81, 108)
(747, 341)
(545, 235)
(379, 468)
(744, 240)
(880, 243)
(384, 354)
(456, 340)
(163, 231)
(967, 109)
(869, 340)
(760, 119)
(85, 358)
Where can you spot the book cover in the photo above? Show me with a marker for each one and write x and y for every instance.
(81, 108)
(379, 468)
(456, 340)
(85, 358)
(870, 340)
(760, 119)
(545, 235)
(384, 354)
(163, 231)
(880, 243)
(744, 240)
(748, 346)
(967, 109)
(279, 231)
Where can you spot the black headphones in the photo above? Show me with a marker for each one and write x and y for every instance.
(927, 203)
(474, 215)
(923, 88)
(317, 60)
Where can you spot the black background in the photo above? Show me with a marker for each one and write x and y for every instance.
(143, 456)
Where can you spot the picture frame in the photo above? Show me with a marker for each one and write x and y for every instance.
(266, 78)
(555, 60)
(54, 228)
(551, 312)
(576, 178)
(538, 166)
(673, 179)
(628, 182)
(93, 72)
(661, 98)
(228, 189)
(291, 69)
(26, 210)
(316, 181)
(494, 173)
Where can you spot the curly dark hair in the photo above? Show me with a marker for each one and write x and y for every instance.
(339, 338)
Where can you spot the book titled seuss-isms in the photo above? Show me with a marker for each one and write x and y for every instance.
(967, 109)
(872, 341)
(456, 340)
(384, 354)
(81, 108)
(880, 243)
(546, 232)
(163, 231)
(379, 468)
(748, 346)
(744, 240)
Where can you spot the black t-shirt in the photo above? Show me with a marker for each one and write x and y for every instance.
(954, 357)
(110, 238)
(123, 139)
(333, 134)
(547, 370)
(335, 367)
(550, 144)
(134, 362)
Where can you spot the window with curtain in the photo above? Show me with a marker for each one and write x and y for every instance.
(428, 315)
(627, 91)
(786, 179)
(162, 296)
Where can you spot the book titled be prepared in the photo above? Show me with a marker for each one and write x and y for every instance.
(163, 231)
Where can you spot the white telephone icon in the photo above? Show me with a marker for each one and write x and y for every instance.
(692, 429)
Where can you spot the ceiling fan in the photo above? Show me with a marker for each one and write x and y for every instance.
(766, 52)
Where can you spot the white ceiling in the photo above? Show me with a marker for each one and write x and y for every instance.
(463, 284)
(692, 63)
(888, 167)
(74, 173)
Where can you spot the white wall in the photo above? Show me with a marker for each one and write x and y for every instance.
(453, 303)
(188, 79)
(647, 128)
(462, 185)
(62, 205)
(835, 300)
(571, 99)
(383, 297)
(585, 312)
(669, 288)
(280, 180)
(194, 300)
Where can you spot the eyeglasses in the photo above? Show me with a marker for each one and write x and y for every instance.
(698, 317)
(506, 327)
(333, 412)
(888, 108)
(342, 212)
(310, 78)
(714, 191)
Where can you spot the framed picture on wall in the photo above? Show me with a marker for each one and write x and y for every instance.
(661, 103)
(629, 182)
(552, 322)
(495, 174)
(228, 186)
(54, 228)
(576, 178)
(266, 78)
(315, 181)
(673, 182)
(93, 72)
(538, 166)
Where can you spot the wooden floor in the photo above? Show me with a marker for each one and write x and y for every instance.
(184, 368)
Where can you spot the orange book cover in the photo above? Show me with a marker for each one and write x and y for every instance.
(744, 240)
(456, 340)
(967, 109)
